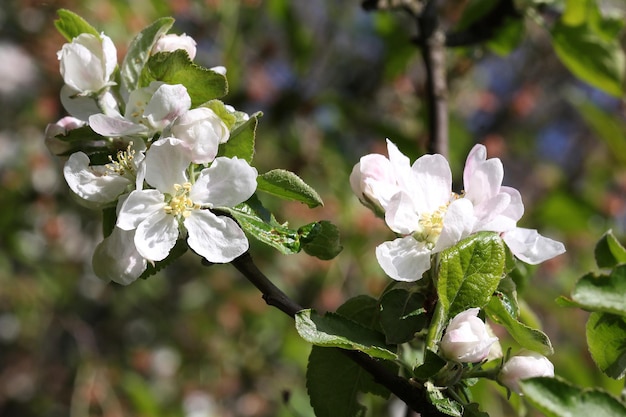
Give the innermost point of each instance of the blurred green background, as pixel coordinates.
(333, 82)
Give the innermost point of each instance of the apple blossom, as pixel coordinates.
(171, 42)
(148, 111)
(466, 338)
(176, 206)
(525, 365)
(116, 258)
(201, 131)
(419, 206)
(61, 128)
(498, 208)
(88, 63)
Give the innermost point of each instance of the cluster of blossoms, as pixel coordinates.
(163, 174)
(419, 205)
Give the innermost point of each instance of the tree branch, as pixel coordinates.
(414, 396)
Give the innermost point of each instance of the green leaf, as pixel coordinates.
(334, 382)
(177, 251)
(602, 293)
(508, 37)
(70, 25)
(442, 403)
(333, 330)
(362, 309)
(606, 338)
(470, 272)
(264, 227)
(287, 185)
(589, 57)
(320, 239)
(241, 141)
(557, 398)
(109, 219)
(228, 117)
(609, 252)
(139, 53)
(500, 312)
(433, 363)
(175, 67)
(402, 315)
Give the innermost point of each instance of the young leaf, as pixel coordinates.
(606, 338)
(175, 67)
(557, 398)
(442, 403)
(609, 252)
(334, 382)
(470, 272)
(333, 330)
(320, 239)
(70, 25)
(602, 293)
(241, 141)
(529, 338)
(287, 185)
(139, 53)
(402, 315)
(592, 59)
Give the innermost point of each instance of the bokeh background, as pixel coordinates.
(333, 82)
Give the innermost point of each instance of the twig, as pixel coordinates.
(413, 395)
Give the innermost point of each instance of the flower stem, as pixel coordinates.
(437, 325)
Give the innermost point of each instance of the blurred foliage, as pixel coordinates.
(332, 81)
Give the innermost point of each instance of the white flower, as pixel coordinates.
(158, 215)
(498, 208)
(116, 258)
(172, 42)
(201, 132)
(149, 110)
(100, 185)
(522, 366)
(88, 63)
(466, 338)
(419, 205)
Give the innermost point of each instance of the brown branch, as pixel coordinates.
(413, 395)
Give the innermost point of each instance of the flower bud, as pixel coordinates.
(201, 132)
(88, 63)
(61, 128)
(466, 338)
(172, 42)
(522, 366)
(373, 181)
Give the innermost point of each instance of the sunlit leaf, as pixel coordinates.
(320, 239)
(70, 25)
(609, 252)
(287, 185)
(602, 292)
(606, 338)
(241, 141)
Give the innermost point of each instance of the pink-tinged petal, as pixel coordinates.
(515, 210)
(433, 183)
(398, 159)
(95, 184)
(458, 223)
(487, 210)
(166, 164)
(116, 258)
(218, 239)
(477, 155)
(530, 247)
(226, 183)
(167, 103)
(201, 131)
(403, 259)
(156, 236)
(114, 126)
(138, 206)
(401, 215)
(485, 181)
(373, 180)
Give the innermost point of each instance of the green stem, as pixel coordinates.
(437, 325)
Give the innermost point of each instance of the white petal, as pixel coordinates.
(477, 155)
(109, 54)
(95, 184)
(138, 206)
(403, 259)
(530, 247)
(78, 106)
(116, 258)
(458, 223)
(515, 210)
(167, 103)
(114, 126)
(226, 183)
(201, 131)
(401, 215)
(219, 239)
(373, 180)
(485, 181)
(156, 236)
(166, 162)
(433, 183)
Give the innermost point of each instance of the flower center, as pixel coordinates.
(431, 226)
(123, 162)
(180, 204)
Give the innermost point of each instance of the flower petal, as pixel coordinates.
(433, 183)
(403, 259)
(114, 126)
(485, 181)
(167, 103)
(139, 205)
(95, 184)
(226, 183)
(401, 215)
(530, 247)
(156, 235)
(458, 223)
(166, 162)
(219, 239)
(116, 258)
